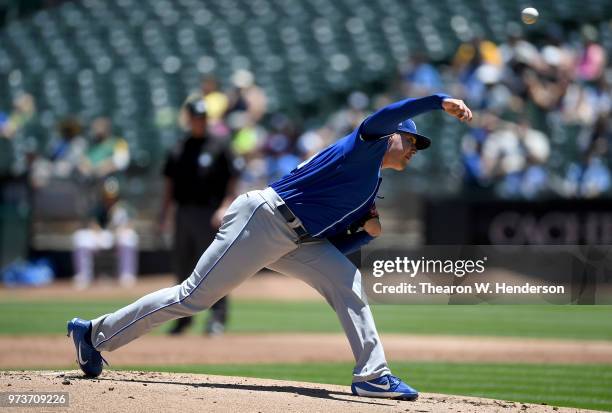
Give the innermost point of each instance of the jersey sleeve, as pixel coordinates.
(384, 122)
(349, 243)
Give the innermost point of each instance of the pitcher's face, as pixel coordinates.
(401, 148)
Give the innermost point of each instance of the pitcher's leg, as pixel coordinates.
(324, 268)
(250, 238)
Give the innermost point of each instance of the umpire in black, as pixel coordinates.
(200, 180)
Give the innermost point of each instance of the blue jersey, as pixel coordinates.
(338, 185)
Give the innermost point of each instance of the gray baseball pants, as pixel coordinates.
(255, 235)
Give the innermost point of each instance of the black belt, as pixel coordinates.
(303, 235)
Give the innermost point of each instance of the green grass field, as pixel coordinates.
(575, 322)
(586, 386)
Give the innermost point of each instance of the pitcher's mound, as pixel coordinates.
(122, 391)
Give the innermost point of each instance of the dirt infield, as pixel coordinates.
(57, 352)
(146, 392)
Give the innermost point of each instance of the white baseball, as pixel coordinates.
(529, 15)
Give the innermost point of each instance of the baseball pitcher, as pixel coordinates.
(296, 226)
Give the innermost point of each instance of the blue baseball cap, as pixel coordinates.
(408, 126)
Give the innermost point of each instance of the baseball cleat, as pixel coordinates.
(387, 387)
(90, 360)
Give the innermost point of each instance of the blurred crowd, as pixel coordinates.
(542, 129)
(71, 151)
(542, 126)
(544, 113)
